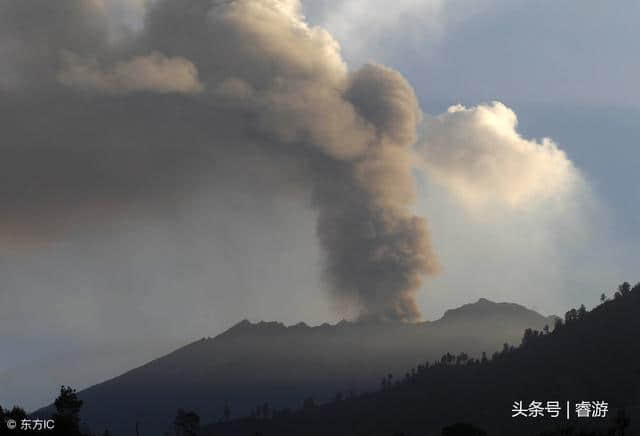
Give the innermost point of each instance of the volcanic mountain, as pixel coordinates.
(254, 363)
(591, 362)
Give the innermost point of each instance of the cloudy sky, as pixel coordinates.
(170, 170)
(566, 73)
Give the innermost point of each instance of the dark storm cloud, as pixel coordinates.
(216, 93)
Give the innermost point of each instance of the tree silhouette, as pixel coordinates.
(571, 316)
(582, 311)
(462, 429)
(308, 403)
(557, 325)
(226, 412)
(624, 289)
(526, 339)
(186, 423)
(67, 416)
(16, 413)
(462, 358)
(622, 420)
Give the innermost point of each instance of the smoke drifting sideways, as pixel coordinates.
(214, 93)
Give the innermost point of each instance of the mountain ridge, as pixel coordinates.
(251, 363)
(590, 357)
(465, 309)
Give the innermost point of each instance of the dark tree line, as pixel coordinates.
(66, 418)
(588, 355)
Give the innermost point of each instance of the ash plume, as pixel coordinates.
(227, 94)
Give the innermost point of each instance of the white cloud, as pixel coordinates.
(515, 219)
(478, 154)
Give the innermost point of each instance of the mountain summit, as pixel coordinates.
(253, 363)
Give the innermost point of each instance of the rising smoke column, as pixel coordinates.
(377, 251)
(205, 82)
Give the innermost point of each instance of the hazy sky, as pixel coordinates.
(526, 167)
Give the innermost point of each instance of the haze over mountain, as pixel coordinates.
(591, 357)
(250, 364)
(30, 385)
